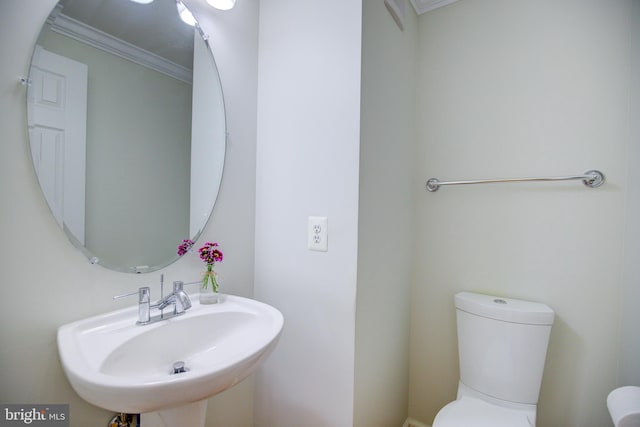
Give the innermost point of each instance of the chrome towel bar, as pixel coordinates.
(591, 179)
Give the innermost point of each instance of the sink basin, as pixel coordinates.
(115, 364)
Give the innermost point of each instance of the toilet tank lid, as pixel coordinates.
(506, 309)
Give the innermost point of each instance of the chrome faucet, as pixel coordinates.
(178, 298)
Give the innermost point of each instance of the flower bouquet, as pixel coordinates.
(210, 254)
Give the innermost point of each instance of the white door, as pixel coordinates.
(57, 117)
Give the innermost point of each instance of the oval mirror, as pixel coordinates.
(127, 128)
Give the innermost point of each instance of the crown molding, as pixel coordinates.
(62, 24)
(424, 6)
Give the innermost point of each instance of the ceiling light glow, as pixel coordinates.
(222, 4)
(185, 14)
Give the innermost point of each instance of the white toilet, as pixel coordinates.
(624, 406)
(502, 345)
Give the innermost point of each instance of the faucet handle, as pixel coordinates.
(144, 294)
(178, 286)
(197, 282)
(182, 301)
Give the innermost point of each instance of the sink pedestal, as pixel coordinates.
(189, 415)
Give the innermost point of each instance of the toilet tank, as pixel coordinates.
(502, 345)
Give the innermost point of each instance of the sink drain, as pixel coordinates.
(178, 368)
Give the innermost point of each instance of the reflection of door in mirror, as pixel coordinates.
(57, 120)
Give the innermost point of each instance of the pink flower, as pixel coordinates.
(210, 254)
(184, 247)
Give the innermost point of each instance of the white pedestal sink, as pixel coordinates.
(115, 364)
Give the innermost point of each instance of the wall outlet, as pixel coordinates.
(317, 233)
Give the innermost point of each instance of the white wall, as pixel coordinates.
(510, 89)
(55, 282)
(385, 219)
(307, 165)
(630, 295)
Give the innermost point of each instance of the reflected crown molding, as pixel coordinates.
(63, 24)
(424, 6)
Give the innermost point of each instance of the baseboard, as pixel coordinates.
(413, 423)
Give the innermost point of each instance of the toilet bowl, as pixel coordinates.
(472, 410)
(502, 346)
(468, 411)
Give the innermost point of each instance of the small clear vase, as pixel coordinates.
(209, 289)
(207, 296)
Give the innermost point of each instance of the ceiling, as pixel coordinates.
(154, 27)
(423, 6)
